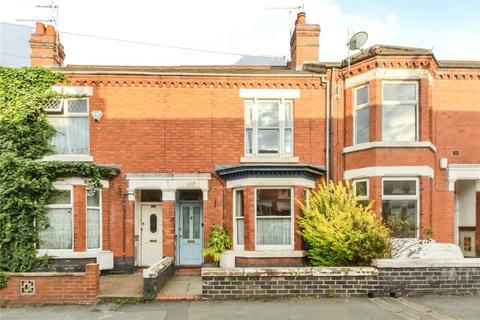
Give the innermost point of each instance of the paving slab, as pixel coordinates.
(122, 285)
(181, 288)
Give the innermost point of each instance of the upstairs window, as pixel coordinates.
(268, 127)
(399, 111)
(70, 119)
(361, 121)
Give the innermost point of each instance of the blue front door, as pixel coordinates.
(190, 234)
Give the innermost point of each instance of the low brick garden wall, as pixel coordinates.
(386, 277)
(39, 288)
(155, 277)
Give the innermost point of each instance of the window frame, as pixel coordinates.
(65, 114)
(291, 246)
(397, 103)
(61, 206)
(255, 128)
(100, 212)
(354, 189)
(405, 197)
(237, 246)
(358, 107)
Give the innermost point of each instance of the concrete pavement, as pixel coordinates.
(430, 307)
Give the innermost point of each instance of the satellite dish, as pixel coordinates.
(357, 40)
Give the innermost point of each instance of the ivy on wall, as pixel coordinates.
(26, 182)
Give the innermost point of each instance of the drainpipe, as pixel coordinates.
(330, 106)
(327, 128)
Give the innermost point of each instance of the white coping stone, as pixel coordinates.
(425, 263)
(439, 251)
(154, 270)
(269, 254)
(291, 271)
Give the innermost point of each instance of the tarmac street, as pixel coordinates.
(407, 308)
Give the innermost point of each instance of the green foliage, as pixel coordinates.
(339, 231)
(3, 279)
(218, 242)
(26, 184)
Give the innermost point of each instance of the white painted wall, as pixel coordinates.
(467, 202)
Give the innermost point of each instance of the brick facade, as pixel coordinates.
(165, 122)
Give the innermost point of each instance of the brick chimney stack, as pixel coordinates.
(304, 42)
(47, 51)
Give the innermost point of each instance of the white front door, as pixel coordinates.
(151, 229)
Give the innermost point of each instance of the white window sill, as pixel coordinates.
(268, 159)
(384, 144)
(104, 257)
(289, 253)
(65, 157)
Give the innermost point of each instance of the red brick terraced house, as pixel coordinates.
(236, 145)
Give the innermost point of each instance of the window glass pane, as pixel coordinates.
(268, 115)
(362, 96)
(153, 223)
(151, 195)
(196, 223)
(399, 91)
(240, 231)
(361, 188)
(362, 125)
(59, 233)
(239, 203)
(61, 197)
(93, 229)
(77, 106)
(273, 202)
(191, 195)
(288, 114)
(401, 217)
(93, 198)
(248, 114)
(248, 141)
(186, 223)
(273, 231)
(288, 141)
(72, 136)
(398, 123)
(268, 141)
(399, 187)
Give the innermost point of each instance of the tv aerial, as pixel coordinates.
(356, 42)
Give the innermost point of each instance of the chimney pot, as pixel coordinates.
(51, 30)
(300, 18)
(39, 28)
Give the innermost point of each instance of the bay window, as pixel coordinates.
(399, 111)
(361, 121)
(70, 119)
(274, 222)
(94, 219)
(360, 190)
(268, 127)
(400, 198)
(239, 219)
(59, 213)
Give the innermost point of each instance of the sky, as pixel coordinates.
(248, 27)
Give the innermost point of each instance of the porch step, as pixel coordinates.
(188, 271)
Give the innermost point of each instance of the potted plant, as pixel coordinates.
(218, 242)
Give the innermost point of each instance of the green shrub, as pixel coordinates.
(218, 242)
(3, 279)
(339, 231)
